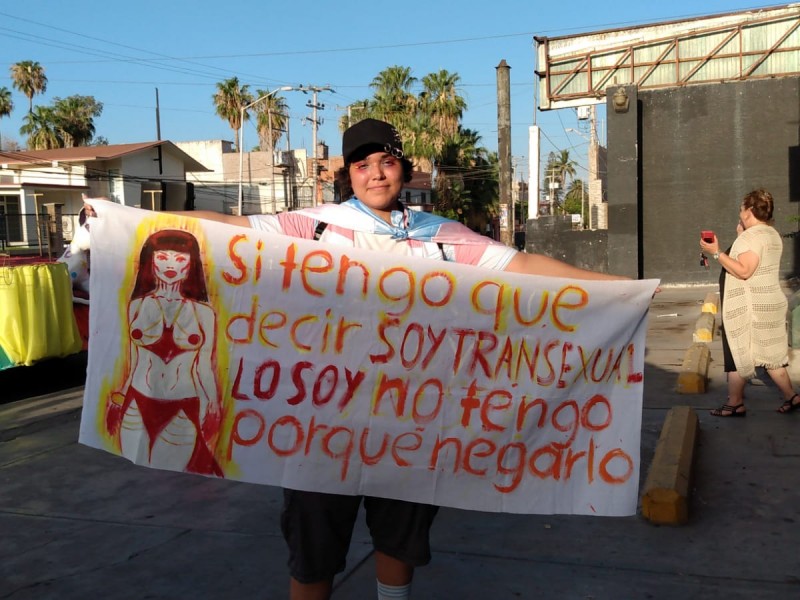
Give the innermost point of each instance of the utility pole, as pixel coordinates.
(504, 152)
(271, 162)
(158, 119)
(349, 109)
(520, 198)
(592, 156)
(290, 188)
(160, 158)
(362, 105)
(552, 184)
(315, 123)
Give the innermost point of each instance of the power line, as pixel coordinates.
(350, 49)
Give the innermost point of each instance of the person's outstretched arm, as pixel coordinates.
(538, 264)
(210, 215)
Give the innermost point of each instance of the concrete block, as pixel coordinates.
(704, 328)
(711, 303)
(693, 377)
(665, 498)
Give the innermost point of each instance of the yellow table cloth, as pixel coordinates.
(36, 316)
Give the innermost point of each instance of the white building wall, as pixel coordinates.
(218, 189)
(171, 167)
(209, 153)
(145, 165)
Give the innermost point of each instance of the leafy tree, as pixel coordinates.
(575, 197)
(29, 78)
(229, 100)
(69, 122)
(74, 118)
(393, 100)
(41, 128)
(483, 184)
(272, 115)
(6, 106)
(564, 166)
(466, 183)
(6, 103)
(443, 107)
(11, 145)
(559, 166)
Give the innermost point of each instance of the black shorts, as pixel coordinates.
(318, 527)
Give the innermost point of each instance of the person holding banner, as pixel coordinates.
(318, 526)
(171, 395)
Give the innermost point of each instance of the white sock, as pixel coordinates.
(394, 592)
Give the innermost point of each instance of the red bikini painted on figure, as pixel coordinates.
(171, 396)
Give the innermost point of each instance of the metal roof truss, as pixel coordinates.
(753, 49)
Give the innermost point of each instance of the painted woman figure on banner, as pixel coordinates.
(169, 409)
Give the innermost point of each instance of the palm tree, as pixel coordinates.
(6, 106)
(393, 100)
(75, 119)
(41, 128)
(565, 167)
(418, 141)
(29, 78)
(272, 115)
(440, 100)
(576, 200)
(430, 125)
(229, 100)
(441, 107)
(467, 185)
(559, 167)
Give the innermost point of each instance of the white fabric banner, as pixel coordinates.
(222, 351)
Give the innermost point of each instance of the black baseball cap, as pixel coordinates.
(371, 135)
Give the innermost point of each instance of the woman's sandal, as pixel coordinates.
(789, 405)
(729, 410)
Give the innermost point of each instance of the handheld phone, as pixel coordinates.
(708, 236)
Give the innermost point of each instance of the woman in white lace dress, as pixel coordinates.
(754, 305)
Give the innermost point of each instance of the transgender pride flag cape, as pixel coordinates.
(406, 224)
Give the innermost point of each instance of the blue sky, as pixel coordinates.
(121, 52)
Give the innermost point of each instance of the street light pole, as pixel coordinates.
(285, 88)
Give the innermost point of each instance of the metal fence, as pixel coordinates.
(31, 233)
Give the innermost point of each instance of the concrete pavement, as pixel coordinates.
(79, 523)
